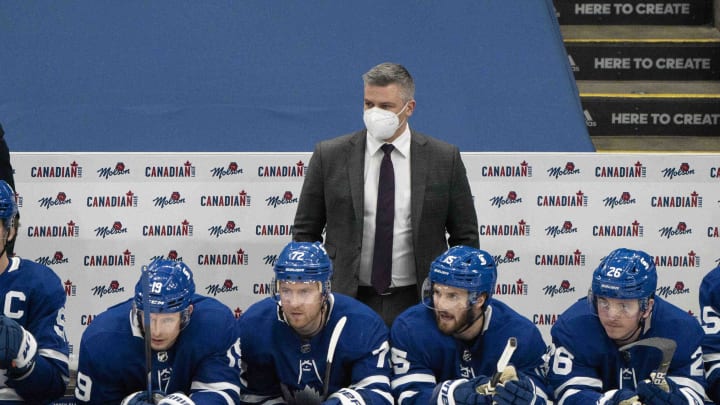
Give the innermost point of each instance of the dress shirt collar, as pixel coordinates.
(401, 144)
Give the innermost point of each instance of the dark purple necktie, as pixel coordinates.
(384, 218)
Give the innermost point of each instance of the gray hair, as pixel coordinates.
(388, 73)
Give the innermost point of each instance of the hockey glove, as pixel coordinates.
(461, 392)
(619, 397)
(177, 398)
(141, 398)
(516, 392)
(508, 374)
(18, 348)
(652, 394)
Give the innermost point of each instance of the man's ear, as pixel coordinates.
(648, 311)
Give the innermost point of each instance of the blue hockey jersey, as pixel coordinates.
(203, 363)
(587, 363)
(277, 364)
(423, 356)
(710, 316)
(33, 296)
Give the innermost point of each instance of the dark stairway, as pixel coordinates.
(648, 72)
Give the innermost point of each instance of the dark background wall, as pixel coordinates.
(243, 76)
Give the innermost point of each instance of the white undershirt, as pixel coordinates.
(403, 270)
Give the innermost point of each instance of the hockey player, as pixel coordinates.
(306, 345)
(710, 317)
(192, 345)
(33, 347)
(587, 365)
(445, 350)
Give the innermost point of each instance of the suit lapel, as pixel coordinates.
(419, 162)
(356, 172)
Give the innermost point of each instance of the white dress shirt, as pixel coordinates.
(403, 259)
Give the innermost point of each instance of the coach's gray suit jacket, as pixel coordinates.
(332, 199)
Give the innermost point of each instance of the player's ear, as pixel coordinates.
(190, 309)
(648, 311)
(481, 299)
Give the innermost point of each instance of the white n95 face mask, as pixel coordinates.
(382, 124)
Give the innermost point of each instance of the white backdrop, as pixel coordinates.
(548, 218)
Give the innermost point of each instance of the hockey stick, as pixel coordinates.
(331, 353)
(666, 347)
(503, 361)
(148, 337)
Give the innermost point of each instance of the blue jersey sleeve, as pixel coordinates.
(215, 380)
(39, 292)
(413, 377)
(710, 317)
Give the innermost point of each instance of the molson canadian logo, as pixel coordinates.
(184, 229)
(578, 199)
(184, 170)
(510, 257)
(240, 199)
(71, 171)
(556, 230)
(511, 199)
(172, 255)
(226, 287)
(117, 228)
(522, 170)
(713, 232)
(128, 199)
(520, 229)
(680, 229)
(677, 261)
(237, 258)
(574, 259)
(298, 170)
(274, 230)
(678, 289)
(287, 198)
(232, 169)
(164, 201)
(683, 170)
(633, 230)
(118, 170)
(694, 200)
(60, 199)
(57, 258)
(558, 171)
(517, 288)
(624, 199)
(554, 289)
(230, 227)
(70, 288)
(545, 319)
(69, 230)
(715, 172)
(636, 170)
(261, 289)
(112, 288)
(124, 259)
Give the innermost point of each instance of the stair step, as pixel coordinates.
(653, 12)
(689, 108)
(643, 53)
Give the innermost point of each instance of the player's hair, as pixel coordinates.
(388, 73)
